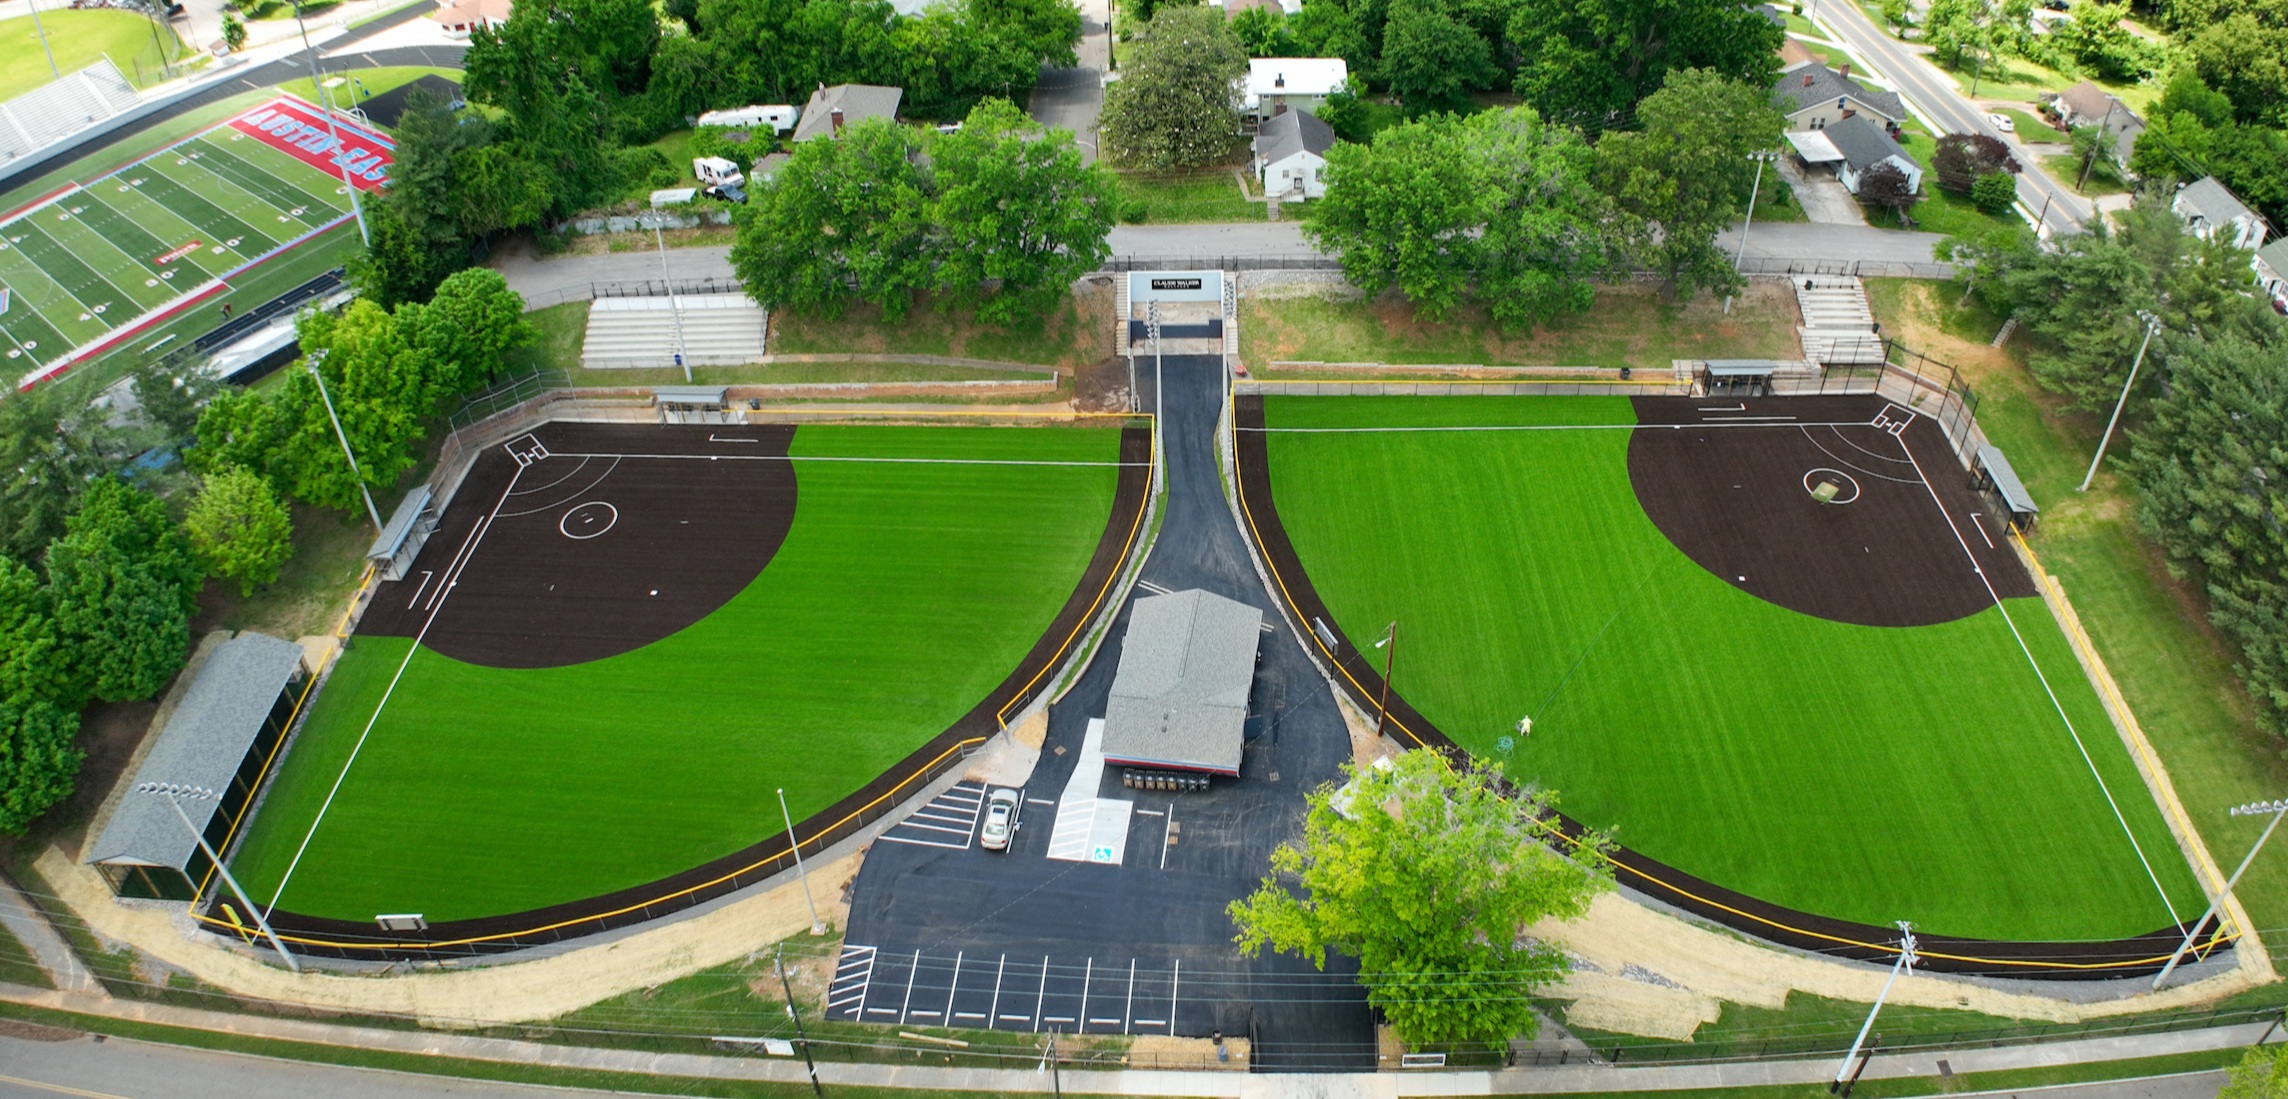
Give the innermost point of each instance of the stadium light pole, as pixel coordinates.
(816, 928)
(172, 792)
(53, 71)
(1906, 961)
(674, 309)
(1382, 709)
(357, 209)
(1761, 157)
(372, 512)
(2278, 807)
(2152, 325)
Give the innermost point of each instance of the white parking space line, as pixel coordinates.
(998, 970)
(954, 987)
(853, 974)
(936, 823)
(911, 970)
(1128, 1011)
(1041, 1000)
(1086, 976)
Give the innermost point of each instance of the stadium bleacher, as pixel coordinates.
(63, 107)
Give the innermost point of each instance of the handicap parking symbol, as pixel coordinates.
(1101, 854)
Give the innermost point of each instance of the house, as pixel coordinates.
(2207, 209)
(1864, 143)
(1232, 8)
(462, 17)
(767, 167)
(2086, 104)
(1276, 84)
(2271, 265)
(1291, 155)
(779, 117)
(832, 108)
(1815, 97)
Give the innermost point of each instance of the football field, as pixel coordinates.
(85, 268)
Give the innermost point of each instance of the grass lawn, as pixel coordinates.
(1207, 196)
(371, 82)
(1941, 210)
(2152, 630)
(1628, 326)
(1921, 774)
(903, 594)
(2016, 78)
(1073, 334)
(17, 966)
(79, 39)
(2031, 127)
(1778, 203)
(313, 589)
(2104, 179)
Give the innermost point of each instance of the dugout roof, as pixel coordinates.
(1179, 700)
(704, 396)
(401, 523)
(2006, 482)
(1741, 368)
(205, 741)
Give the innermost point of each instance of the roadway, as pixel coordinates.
(1935, 97)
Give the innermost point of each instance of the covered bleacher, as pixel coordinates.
(1993, 476)
(401, 539)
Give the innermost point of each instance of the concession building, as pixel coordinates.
(1179, 699)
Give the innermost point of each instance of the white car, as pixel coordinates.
(1000, 820)
(2002, 123)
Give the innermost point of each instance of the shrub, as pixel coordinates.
(1995, 193)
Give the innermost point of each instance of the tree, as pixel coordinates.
(1263, 32)
(1543, 237)
(1326, 28)
(1018, 215)
(239, 529)
(1589, 65)
(844, 219)
(233, 31)
(1176, 104)
(1900, 14)
(1431, 877)
(1962, 158)
(38, 760)
(1431, 60)
(2246, 61)
(468, 328)
(1885, 186)
(2193, 132)
(53, 441)
(1995, 193)
(35, 661)
(170, 401)
(2213, 466)
(123, 584)
(1683, 176)
(1405, 212)
(2097, 39)
(2261, 1074)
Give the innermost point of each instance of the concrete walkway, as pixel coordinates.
(30, 927)
(1025, 1079)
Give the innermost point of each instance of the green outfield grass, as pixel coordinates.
(1870, 774)
(902, 595)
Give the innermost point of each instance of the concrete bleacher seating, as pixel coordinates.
(63, 107)
(1838, 328)
(718, 330)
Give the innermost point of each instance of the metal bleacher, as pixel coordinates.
(63, 107)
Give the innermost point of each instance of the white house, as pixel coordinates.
(1276, 84)
(1291, 155)
(779, 117)
(1864, 143)
(461, 17)
(1815, 97)
(2207, 210)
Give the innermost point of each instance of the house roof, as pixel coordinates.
(1827, 84)
(1312, 76)
(1771, 14)
(1813, 146)
(2275, 256)
(858, 102)
(1863, 143)
(1284, 135)
(2086, 100)
(1180, 696)
(205, 741)
(2208, 200)
(458, 13)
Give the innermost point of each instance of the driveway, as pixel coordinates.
(1070, 99)
(1823, 197)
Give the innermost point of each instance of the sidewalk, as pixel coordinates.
(31, 928)
(1026, 1079)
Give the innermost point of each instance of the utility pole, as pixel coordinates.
(356, 208)
(1906, 961)
(1382, 709)
(43, 32)
(1741, 256)
(1056, 1076)
(800, 1038)
(2152, 325)
(311, 361)
(816, 928)
(2091, 161)
(2278, 807)
(169, 791)
(675, 310)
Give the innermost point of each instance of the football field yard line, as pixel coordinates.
(452, 578)
(172, 193)
(107, 259)
(260, 186)
(86, 284)
(42, 298)
(138, 242)
(232, 196)
(62, 307)
(2047, 689)
(270, 164)
(158, 218)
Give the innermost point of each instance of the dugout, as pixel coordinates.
(1179, 699)
(1737, 377)
(690, 404)
(1992, 476)
(401, 539)
(220, 738)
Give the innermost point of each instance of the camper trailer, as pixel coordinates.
(715, 171)
(779, 117)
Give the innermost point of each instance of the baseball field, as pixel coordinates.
(1857, 707)
(622, 641)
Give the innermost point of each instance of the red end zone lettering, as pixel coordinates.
(178, 253)
(300, 130)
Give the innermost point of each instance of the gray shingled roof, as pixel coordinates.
(1827, 84)
(1180, 696)
(2275, 256)
(2087, 101)
(1282, 136)
(859, 102)
(2207, 199)
(203, 744)
(1863, 143)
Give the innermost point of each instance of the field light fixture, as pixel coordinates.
(1845, 1076)
(2278, 808)
(174, 793)
(1382, 709)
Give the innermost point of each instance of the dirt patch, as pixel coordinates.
(1102, 386)
(1915, 315)
(34, 1032)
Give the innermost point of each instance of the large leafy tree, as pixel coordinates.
(467, 329)
(1176, 104)
(1431, 60)
(844, 219)
(239, 528)
(1019, 217)
(53, 440)
(122, 584)
(1589, 64)
(1685, 173)
(1962, 159)
(40, 695)
(2245, 58)
(2213, 465)
(38, 759)
(1430, 875)
(2194, 132)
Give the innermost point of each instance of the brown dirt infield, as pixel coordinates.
(1734, 494)
(590, 554)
